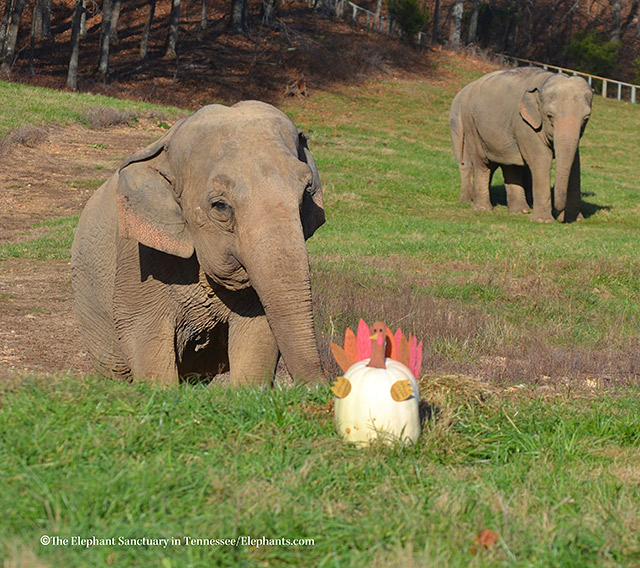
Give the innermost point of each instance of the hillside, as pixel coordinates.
(300, 45)
(216, 64)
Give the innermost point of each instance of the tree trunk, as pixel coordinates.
(83, 20)
(616, 24)
(72, 73)
(473, 22)
(12, 36)
(203, 16)
(378, 12)
(456, 24)
(115, 16)
(510, 39)
(238, 16)
(6, 16)
(105, 36)
(41, 26)
(144, 42)
(174, 24)
(436, 17)
(268, 9)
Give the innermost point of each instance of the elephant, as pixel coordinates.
(521, 119)
(191, 259)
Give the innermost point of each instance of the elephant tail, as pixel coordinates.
(457, 132)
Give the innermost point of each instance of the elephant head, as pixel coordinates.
(559, 110)
(237, 187)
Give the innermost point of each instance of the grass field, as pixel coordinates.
(546, 453)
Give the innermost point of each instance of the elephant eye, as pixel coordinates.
(220, 206)
(550, 117)
(221, 210)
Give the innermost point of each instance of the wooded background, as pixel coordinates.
(39, 37)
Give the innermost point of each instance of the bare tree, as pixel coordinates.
(436, 22)
(72, 72)
(83, 20)
(12, 36)
(378, 12)
(105, 36)
(144, 42)
(238, 16)
(473, 22)
(41, 25)
(616, 21)
(115, 16)
(456, 24)
(268, 10)
(203, 16)
(6, 16)
(174, 24)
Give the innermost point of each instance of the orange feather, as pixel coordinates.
(341, 357)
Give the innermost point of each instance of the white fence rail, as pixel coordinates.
(623, 91)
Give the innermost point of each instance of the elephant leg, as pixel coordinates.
(482, 179)
(466, 177)
(253, 351)
(152, 354)
(540, 172)
(574, 195)
(514, 185)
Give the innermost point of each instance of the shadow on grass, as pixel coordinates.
(588, 209)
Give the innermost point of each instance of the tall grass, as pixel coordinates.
(551, 465)
(555, 478)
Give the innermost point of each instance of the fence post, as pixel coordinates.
(619, 91)
(604, 88)
(633, 95)
(355, 11)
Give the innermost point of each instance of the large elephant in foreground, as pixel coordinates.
(192, 257)
(522, 119)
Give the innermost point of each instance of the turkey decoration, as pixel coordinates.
(377, 398)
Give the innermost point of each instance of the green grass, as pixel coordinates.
(54, 243)
(391, 191)
(23, 104)
(557, 479)
(555, 475)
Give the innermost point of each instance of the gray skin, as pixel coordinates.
(192, 257)
(522, 119)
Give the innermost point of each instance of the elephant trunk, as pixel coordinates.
(566, 140)
(276, 260)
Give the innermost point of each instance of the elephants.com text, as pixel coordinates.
(88, 542)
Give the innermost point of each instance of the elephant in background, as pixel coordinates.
(192, 257)
(521, 119)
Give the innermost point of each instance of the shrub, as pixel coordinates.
(410, 17)
(104, 117)
(591, 53)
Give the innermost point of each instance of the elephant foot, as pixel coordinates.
(569, 219)
(542, 219)
(482, 206)
(519, 208)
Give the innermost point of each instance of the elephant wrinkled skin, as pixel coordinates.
(521, 119)
(192, 257)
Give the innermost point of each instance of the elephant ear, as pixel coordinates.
(312, 205)
(148, 210)
(530, 109)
